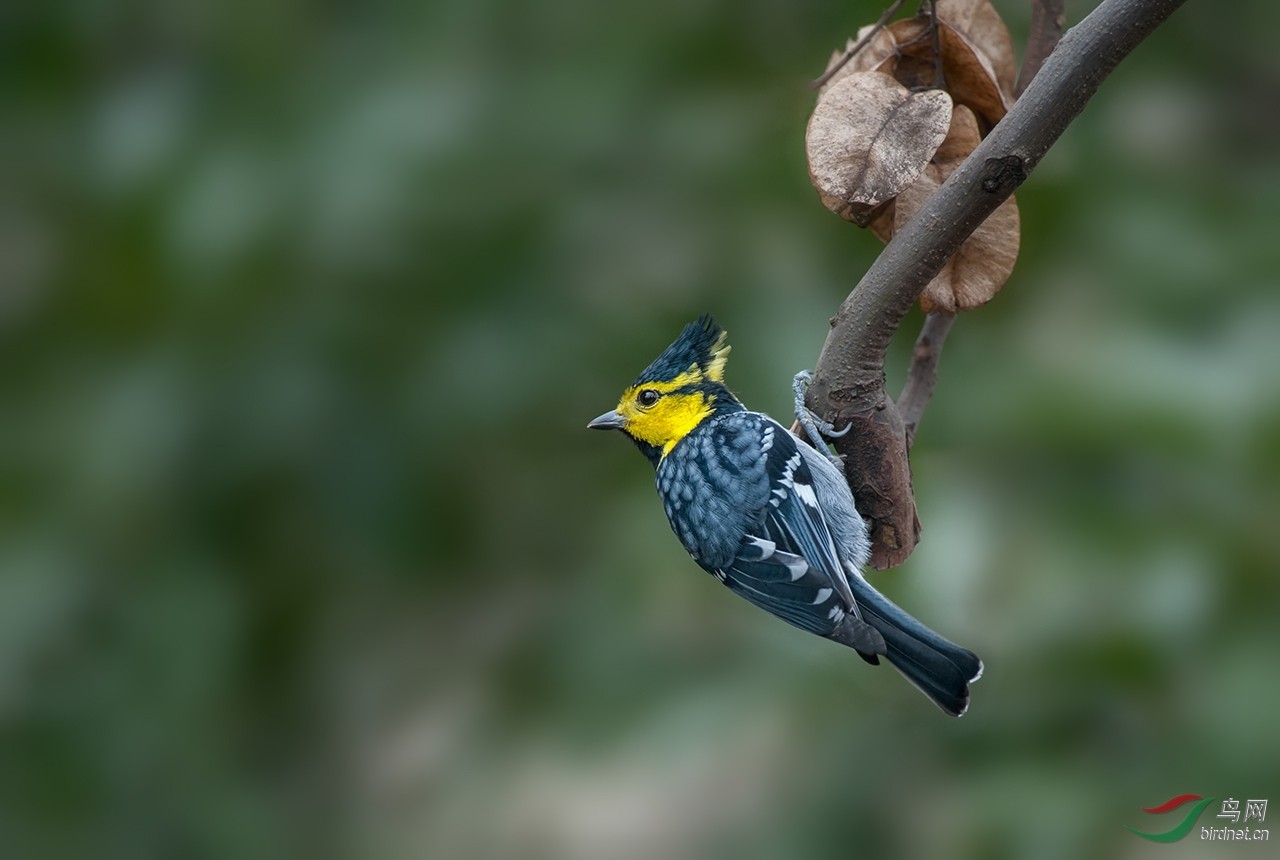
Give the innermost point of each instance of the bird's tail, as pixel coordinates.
(940, 669)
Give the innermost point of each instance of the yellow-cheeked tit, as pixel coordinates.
(770, 516)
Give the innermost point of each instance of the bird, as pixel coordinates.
(771, 517)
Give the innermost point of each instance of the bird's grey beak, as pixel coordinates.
(609, 421)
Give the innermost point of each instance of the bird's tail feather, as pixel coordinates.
(940, 669)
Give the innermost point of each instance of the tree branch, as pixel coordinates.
(848, 384)
(1047, 21)
(923, 373)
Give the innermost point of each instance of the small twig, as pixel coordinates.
(861, 43)
(1047, 21)
(923, 373)
(938, 81)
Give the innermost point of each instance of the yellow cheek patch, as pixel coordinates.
(667, 421)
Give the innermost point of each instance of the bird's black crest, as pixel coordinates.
(701, 343)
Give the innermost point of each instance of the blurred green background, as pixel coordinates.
(305, 550)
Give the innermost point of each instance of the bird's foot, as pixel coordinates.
(819, 431)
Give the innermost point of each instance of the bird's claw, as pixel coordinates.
(817, 429)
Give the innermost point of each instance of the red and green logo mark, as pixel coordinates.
(1168, 806)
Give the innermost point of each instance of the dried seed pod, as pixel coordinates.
(970, 76)
(869, 138)
(881, 222)
(977, 271)
(983, 30)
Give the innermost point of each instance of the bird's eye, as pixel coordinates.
(648, 397)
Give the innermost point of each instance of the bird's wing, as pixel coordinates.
(784, 584)
(788, 564)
